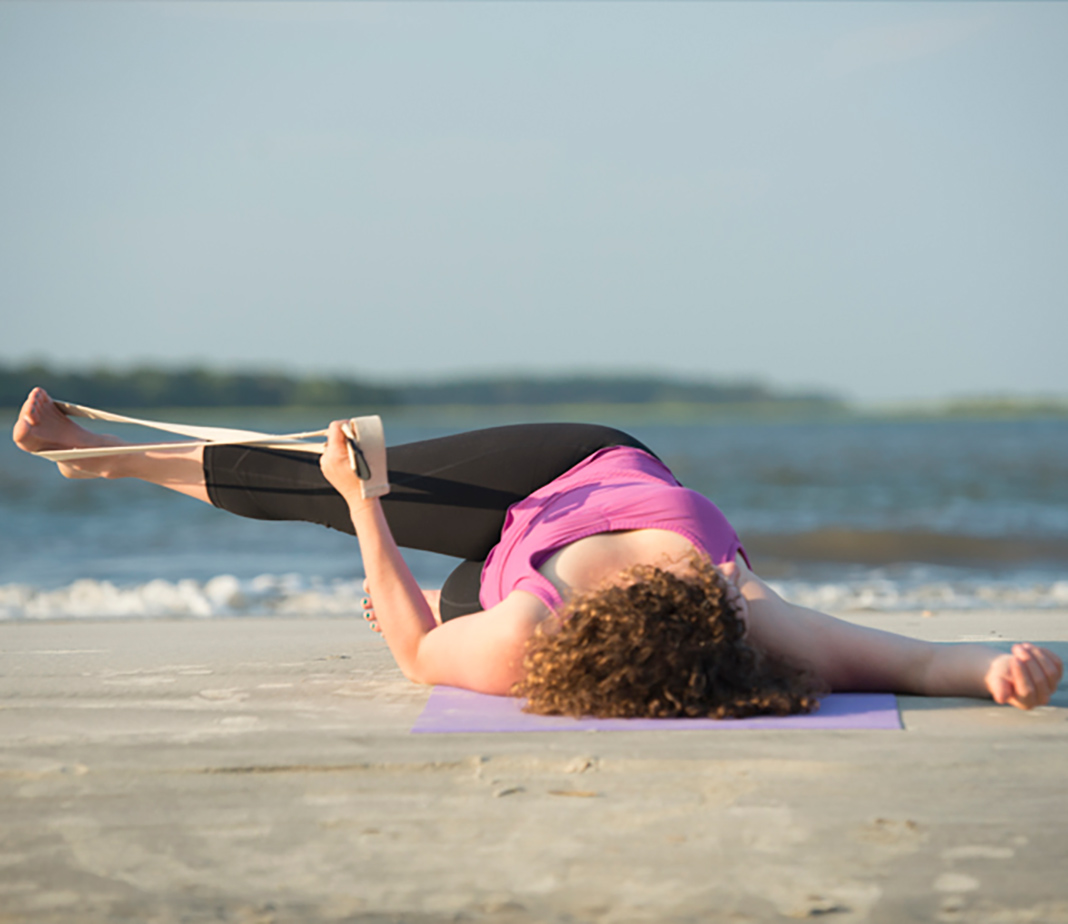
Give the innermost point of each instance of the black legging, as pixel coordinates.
(448, 495)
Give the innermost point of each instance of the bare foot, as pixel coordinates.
(433, 599)
(41, 426)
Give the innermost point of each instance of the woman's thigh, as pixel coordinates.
(448, 495)
(451, 494)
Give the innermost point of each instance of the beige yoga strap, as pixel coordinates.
(366, 438)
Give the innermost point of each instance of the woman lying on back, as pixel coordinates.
(593, 583)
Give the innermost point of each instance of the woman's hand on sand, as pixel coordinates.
(336, 466)
(1026, 678)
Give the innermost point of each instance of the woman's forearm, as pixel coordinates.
(849, 657)
(957, 670)
(1026, 677)
(404, 615)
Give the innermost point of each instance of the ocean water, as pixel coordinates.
(841, 515)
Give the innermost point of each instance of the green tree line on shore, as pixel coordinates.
(148, 387)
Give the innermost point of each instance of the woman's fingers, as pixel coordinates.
(1026, 678)
(1000, 687)
(334, 463)
(1051, 664)
(335, 440)
(1023, 686)
(1045, 669)
(1035, 673)
(1053, 667)
(1032, 670)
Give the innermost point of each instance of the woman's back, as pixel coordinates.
(619, 492)
(593, 561)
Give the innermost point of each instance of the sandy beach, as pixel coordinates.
(262, 770)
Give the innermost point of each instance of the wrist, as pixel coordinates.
(361, 508)
(961, 670)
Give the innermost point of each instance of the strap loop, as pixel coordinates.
(367, 442)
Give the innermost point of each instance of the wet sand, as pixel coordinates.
(262, 770)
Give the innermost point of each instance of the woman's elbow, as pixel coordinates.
(415, 672)
(421, 679)
(409, 664)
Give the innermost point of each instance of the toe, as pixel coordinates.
(29, 410)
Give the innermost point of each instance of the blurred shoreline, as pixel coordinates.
(639, 398)
(667, 413)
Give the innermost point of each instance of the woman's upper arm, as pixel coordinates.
(844, 655)
(482, 651)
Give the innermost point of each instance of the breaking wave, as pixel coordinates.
(874, 593)
(222, 596)
(292, 595)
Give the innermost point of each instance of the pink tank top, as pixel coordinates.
(618, 488)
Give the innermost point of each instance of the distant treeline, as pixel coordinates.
(152, 387)
(588, 390)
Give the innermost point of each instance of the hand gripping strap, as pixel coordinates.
(367, 454)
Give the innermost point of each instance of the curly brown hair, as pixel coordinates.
(658, 645)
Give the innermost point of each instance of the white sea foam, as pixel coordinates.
(221, 596)
(920, 593)
(294, 595)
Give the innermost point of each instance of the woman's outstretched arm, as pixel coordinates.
(851, 657)
(482, 652)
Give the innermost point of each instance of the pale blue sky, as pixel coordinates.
(865, 197)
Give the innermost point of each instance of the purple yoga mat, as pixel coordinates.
(452, 710)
